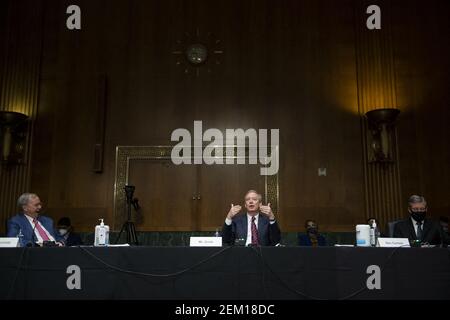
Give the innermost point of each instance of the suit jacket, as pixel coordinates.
(73, 239)
(20, 222)
(432, 231)
(304, 240)
(268, 234)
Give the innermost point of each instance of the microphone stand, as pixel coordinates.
(44, 243)
(32, 243)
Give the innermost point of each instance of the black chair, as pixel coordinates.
(391, 226)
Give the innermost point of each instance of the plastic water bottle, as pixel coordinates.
(20, 236)
(101, 234)
(217, 233)
(373, 234)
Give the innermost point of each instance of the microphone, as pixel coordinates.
(45, 243)
(33, 243)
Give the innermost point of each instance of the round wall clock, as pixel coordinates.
(196, 53)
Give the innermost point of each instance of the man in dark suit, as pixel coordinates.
(33, 228)
(417, 226)
(257, 226)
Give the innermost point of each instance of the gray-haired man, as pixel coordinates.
(257, 226)
(32, 227)
(417, 226)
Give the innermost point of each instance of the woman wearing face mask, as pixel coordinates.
(65, 229)
(312, 238)
(418, 227)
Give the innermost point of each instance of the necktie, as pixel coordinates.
(255, 240)
(419, 231)
(41, 230)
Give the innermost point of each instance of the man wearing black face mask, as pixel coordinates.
(418, 226)
(312, 238)
(65, 230)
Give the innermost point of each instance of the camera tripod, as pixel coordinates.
(128, 225)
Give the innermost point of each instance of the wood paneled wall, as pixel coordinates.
(19, 90)
(309, 68)
(375, 72)
(423, 88)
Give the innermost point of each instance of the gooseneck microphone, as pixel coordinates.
(32, 242)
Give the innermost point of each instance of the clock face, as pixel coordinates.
(196, 54)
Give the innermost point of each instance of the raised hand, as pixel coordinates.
(267, 211)
(234, 210)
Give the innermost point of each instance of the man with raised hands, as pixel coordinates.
(256, 226)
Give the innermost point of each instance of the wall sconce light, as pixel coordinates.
(382, 130)
(14, 133)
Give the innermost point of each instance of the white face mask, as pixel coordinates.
(62, 231)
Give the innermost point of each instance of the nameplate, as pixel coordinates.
(9, 242)
(205, 241)
(393, 242)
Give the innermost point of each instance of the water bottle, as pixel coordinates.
(20, 236)
(217, 233)
(373, 234)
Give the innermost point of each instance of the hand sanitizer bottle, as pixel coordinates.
(101, 234)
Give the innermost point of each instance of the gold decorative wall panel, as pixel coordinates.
(126, 154)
